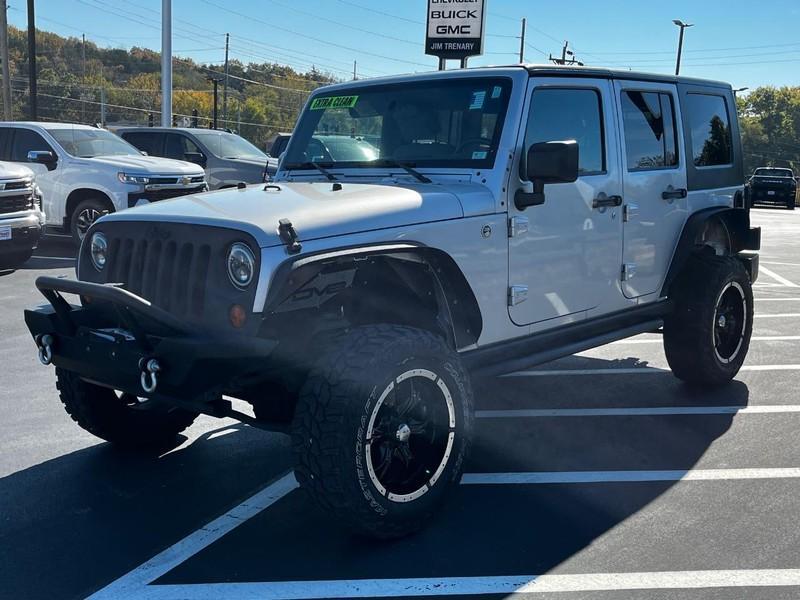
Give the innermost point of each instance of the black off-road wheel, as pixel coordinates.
(382, 429)
(707, 336)
(84, 216)
(115, 417)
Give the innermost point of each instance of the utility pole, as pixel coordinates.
(166, 63)
(565, 52)
(225, 84)
(522, 41)
(103, 101)
(355, 70)
(83, 76)
(32, 60)
(7, 108)
(215, 83)
(683, 26)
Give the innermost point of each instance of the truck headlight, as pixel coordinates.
(133, 179)
(241, 265)
(99, 250)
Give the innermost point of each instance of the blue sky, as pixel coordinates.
(748, 44)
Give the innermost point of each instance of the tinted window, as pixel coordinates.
(5, 143)
(146, 141)
(26, 140)
(648, 120)
(558, 115)
(711, 131)
(177, 146)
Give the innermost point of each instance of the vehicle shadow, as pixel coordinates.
(88, 517)
(54, 252)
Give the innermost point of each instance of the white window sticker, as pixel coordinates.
(479, 155)
(478, 98)
(496, 92)
(5, 233)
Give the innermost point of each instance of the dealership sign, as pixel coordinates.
(455, 28)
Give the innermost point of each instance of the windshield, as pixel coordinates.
(774, 172)
(228, 145)
(442, 123)
(87, 143)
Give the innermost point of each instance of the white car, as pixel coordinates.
(21, 216)
(85, 172)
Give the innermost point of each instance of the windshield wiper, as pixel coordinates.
(388, 162)
(312, 165)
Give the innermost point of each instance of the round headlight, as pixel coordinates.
(241, 265)
(99, 250)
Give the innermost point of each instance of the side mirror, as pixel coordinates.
(197, 158)
(143, 153)
(43, 157)
(546, 163)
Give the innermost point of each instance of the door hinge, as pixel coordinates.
(517, 294)
(628, 271)
(517, 226)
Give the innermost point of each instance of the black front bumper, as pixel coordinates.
(111, 338)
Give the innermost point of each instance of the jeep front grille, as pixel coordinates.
(171, 275)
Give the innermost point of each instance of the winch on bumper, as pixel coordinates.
(118, 340)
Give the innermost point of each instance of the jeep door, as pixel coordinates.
(654, 182)
(564, 254)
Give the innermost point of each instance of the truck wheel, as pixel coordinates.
(111, 416)
(382, 429)
(707, 336)
(84, 216)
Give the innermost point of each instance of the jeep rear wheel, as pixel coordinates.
(382, 429)
(116, 418)
(707, 337)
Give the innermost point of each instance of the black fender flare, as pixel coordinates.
(737, 221)
(457, 299)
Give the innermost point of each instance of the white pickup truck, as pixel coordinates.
(85, 172)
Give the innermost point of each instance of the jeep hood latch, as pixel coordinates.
(289, 236)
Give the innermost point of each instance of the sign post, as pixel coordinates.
(455, 30)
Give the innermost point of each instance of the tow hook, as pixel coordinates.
(150, 368)
(45, 344)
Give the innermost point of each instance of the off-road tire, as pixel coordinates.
(335, 415)
(694, 341)
(90, 206)
(101, 412)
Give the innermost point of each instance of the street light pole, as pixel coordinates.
(32, 60)
(166, 63)
(683, 26)
(742, 89)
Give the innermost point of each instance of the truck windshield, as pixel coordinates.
(87, 143)
(228, 145)
(441, 123)
(774, 172)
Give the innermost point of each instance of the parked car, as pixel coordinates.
(772, 185)
(228, 159)
(21, 216)
(513, 216)
(85, 172)
(279, 145)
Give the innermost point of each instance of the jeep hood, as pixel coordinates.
(315, 209)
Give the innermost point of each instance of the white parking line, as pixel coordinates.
(778, 316)
(134, 584)
(54, 258)
(782, 280)
(541, 478)
(777, 300)
(504, 584)
(636, 411)
(755, 338)
(635, 371)
(771, 262)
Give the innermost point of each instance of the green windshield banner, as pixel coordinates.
(334, 102)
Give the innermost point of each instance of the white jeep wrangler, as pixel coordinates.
(506, 217)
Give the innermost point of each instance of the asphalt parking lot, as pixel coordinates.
(596, 477)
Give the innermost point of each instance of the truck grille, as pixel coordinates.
(170, 274)
(11, 204)
(158, 195)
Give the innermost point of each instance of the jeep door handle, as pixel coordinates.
(672, 194)
(603, 201)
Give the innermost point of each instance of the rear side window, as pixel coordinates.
(148, 142)
(710, 130)
(5, 143)
(648, 119)
(26, 140)
(178, 146)
(569, 114)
